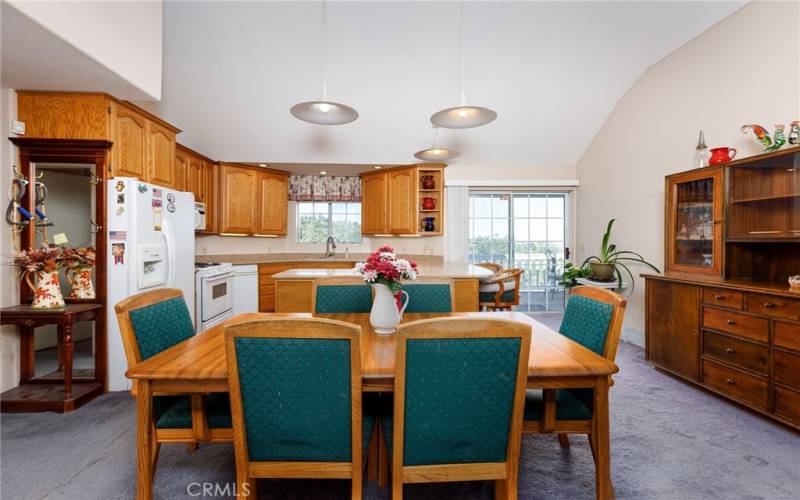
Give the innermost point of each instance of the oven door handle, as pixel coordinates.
(212, 279)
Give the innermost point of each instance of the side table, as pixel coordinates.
(57, 391)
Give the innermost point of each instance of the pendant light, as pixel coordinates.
(463, 115)
(436, 152)
(323, 111)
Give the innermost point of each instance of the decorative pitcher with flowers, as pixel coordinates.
(80, 281)
(47, 291)
(384, 271)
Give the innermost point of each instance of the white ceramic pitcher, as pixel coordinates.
(384, 316)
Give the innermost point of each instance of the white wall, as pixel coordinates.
(9, 284)
(124, 36)
(743, 70)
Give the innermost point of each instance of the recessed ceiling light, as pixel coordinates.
(322, 172)
(377, 167)
(262, 164)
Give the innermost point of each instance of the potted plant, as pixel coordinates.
(384, 271)
(43, 263)
(607, 265)
(79, 262)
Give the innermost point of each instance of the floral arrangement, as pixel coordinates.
(383, 267)
(33, 260)
(77, 258)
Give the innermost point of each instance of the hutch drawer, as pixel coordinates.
(723, 298)
(786, 368)
(777, 307)
(787, 335)
(736, 352)
(743, 325)
(787, 403)
(734, 383)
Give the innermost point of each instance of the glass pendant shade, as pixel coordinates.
(463, 116)
(324, 112)
(437, 152)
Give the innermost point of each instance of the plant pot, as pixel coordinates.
(385, 314)
(47, 291)
(602, 271)
(81, 282)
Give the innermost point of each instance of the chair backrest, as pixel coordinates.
(430, 294)
(593, 318)
(341, 294)
(504, 296)
(295, 390)
(151, 322)
(459, 391)
(495, 268)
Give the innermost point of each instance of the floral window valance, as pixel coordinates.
(324, 188)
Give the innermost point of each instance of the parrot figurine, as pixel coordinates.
(778, 139)
(794, 132)
(762, 136)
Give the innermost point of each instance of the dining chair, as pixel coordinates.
(341, 294)
(295, 386)
(593, 318)
(459, 393)
(501, 292)
(151, 322)
(430, 294)
(495, 268)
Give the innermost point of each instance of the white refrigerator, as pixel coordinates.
(150, 239)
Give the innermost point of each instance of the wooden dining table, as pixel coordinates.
(197, 366)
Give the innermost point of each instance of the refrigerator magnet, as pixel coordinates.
(142, 188)
(157, 218)
(120, 186)
(118, 251)
(171, 208)
(120, 209)
(117, 235)
(170, 197)
(121, 199)
(156, 193)
(156, 203)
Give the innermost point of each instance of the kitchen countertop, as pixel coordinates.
(269, 258)
(449, 269)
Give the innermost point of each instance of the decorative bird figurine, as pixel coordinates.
(778, 139)
(794, 132)
(762, 136)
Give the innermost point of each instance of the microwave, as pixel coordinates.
(199, 216)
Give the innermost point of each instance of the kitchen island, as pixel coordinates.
(293, 287)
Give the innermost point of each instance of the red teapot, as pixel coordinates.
(428, 182)
(721, 155)
(428, 203)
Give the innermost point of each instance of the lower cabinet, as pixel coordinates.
(741, 344)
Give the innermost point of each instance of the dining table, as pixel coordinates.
(197, 366)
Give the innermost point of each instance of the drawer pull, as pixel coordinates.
(769, 305)
(719, 297)
(730, 350)
(731, 322)
(729, 381)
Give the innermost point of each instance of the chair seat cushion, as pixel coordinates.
(508, 296)
(494, 287)
(571, 404)
(175, 412)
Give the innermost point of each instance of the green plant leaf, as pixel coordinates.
(606, 237)
(633, 281)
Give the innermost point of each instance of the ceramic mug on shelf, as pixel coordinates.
(721, 155)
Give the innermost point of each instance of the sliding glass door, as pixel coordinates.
(527, 230)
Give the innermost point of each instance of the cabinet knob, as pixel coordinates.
(731, 322)
(729, 381)
(719, 297)
(730, 350)
(769, 305)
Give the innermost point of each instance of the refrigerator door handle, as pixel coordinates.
(169, 239)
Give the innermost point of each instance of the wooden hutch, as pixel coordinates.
(723, 315)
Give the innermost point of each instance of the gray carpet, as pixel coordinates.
(669, 440)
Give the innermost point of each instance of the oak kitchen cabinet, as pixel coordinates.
(252, 200)
(391, 201)
(199, 176)
(143, 144)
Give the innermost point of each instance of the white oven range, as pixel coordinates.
(213, 294)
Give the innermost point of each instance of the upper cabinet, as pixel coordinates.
(252, 200)
(403, 201)
(181, 169)
(198, 174)
(195, 180)
(694, 221)
(143, 144)
(211, 195)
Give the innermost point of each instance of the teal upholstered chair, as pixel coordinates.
(593, 318)
(341, 294)
(150, 323)
(459, 395)
(501, 291)
(295, 386)
(430, 294)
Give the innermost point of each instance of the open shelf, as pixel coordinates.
(767, 198)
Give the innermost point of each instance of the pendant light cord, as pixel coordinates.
(324, 51)
(461, 34)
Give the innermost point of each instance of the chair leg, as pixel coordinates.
(372, 455)
(563, 440)
(154, 458)
(357, 485)
(383, 461)
(591, 447)
(397, 487)
(190, 447)
(246, 487)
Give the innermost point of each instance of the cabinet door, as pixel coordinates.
(402, 198)
(673, 326)
(161, 155)
(374, 211)
(237, 200)
(694, 221)
(181, 169)
(130, 144)
(195, 180)
(210, 186)
(272, 203)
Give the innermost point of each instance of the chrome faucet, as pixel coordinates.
(330, 243)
